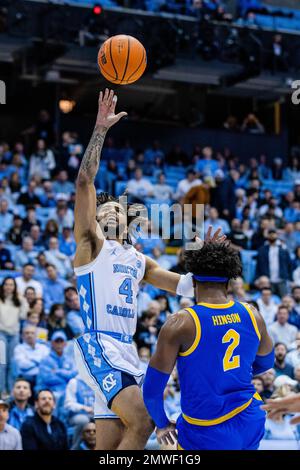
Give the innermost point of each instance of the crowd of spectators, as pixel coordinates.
(44, 403)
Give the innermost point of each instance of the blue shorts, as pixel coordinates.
(99, 375)
(242, 432)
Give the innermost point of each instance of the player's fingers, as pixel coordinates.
(170, 438)
(113, 104)
(120, 115)
(222, 239)
(216, 234)
(295, 420)
(208, 234)
(100, 97)
(110, 97)
(106, 94)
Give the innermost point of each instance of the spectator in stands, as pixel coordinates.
(57, 322)
(35, 234)
(44, 431)
(214, 220)
(20, 409)
(294, 317)
(26, 280)
(274, 261)
(237, 236)
(281, 331)
(28, 355)
(296, 297)
(186, 184)
(41, 265)
(281, 367)
(88, 437)
(33, 318)
(258, 384)
(56, 369)
(28, 196)
(252, 125)
(54, 287)
(139, 187)
(30, 295)
(51, 230)
(79, 405)
(277, 169)
(12, 309)
(30, 219)
(15, 233)
(10, 438)
(42, 161)
(268, 380)
(279, 58)
(62, 184)
(5, 256)
(161, 190)
(62, 214)
(267, 306)
(146, 334)
(58, 259)
(67, 244)
(207, 166)
(293, 357)
(72, 309)
(27, 254)
(231, 124)
(6, 218)
(238, 290)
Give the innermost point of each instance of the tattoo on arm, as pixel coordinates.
(91, 159)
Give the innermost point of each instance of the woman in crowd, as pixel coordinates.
(12, 309)
(57, 321)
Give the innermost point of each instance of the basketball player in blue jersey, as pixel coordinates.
(219, 345)
(109, 270)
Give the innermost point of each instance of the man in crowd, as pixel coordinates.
(43, 431)
(19, 407)
(281, 367)
(268, 380)
(267, 307)
(72, 308)
(10, 438)
(54, 287)
(29, 354)
(274, 261)
(26, 280)
(88, 437)
(57, 368)
(281, 331)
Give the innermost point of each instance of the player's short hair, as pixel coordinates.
(214, 260)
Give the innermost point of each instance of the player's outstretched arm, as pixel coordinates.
(175, 333)
(85, 200)
(280, 406)
(173, 282)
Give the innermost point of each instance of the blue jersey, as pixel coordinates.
(215, 373)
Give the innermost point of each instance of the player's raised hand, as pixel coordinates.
(214, 237)
(167, 435)
(106, 116)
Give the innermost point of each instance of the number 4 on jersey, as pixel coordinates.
(126, 289)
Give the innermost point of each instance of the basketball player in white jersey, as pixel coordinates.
(108, 272)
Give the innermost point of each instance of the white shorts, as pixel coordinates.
(105, 380)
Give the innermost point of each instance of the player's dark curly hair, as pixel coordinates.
(214, 259)
(133, 210)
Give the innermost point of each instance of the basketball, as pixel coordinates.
(122, 59)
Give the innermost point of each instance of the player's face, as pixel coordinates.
(112, 219)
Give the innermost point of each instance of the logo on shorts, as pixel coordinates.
(109, 382)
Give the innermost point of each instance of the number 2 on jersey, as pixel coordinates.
(126, 289)
(230, 361)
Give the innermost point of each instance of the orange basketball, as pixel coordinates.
(122, 59)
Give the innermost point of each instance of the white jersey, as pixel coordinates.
(108, 288)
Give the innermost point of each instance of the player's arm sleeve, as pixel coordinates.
(160, 367)
(263, 363)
